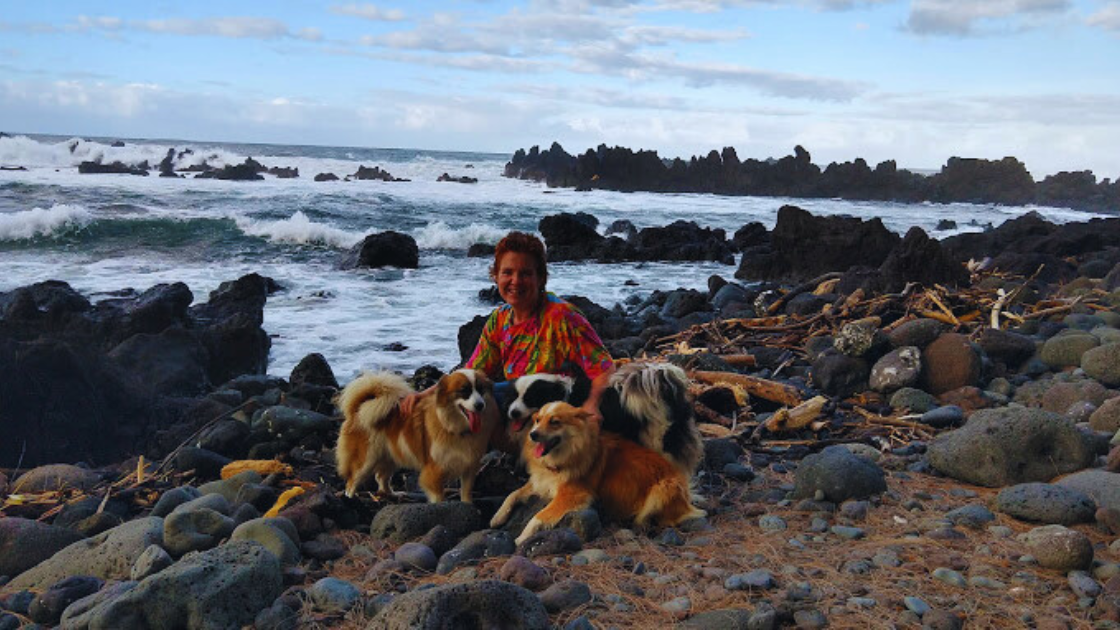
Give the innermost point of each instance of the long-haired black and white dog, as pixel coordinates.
(644, 402)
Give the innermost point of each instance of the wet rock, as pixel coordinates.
(206, 464)
(383, 249)
(1010, 348)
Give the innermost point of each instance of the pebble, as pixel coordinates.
(590, 556)
(916, 605)
(981, 581)
(757, 579)
(771, 523)
(949, 576)
(677, 605)
(848, 533)
(1083, 585)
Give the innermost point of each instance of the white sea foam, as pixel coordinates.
(36, 222)
(298, 229)
(439, 235)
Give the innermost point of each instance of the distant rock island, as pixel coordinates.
(969, 180)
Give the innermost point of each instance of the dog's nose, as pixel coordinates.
(478, 405)
(515, 414)
(534, 436)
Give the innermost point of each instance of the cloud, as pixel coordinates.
(1107, 18)
(368, 12)
(232, 27)
(967, 17)
(644, 67)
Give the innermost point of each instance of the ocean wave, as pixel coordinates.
(299, 229)
(38, 222)
(439, 235)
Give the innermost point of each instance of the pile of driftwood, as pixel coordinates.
(818, 420)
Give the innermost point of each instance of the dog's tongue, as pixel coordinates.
(539, 451)
(475, 420)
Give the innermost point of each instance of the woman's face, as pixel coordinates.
(518, 281)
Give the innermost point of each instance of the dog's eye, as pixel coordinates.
(554, 423)
(465, 391)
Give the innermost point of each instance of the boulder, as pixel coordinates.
(1101, 486)
(803, 246)
(1107, 416)
(918, 258)
(1059, 548)
(222, 588)
(383, 249)
(1010, 348)
(477, 604)
(897, 369)
(1000, 447)
(951, 361)
(486, 543)
(1065, 349)
(55, 477)
(109, 555)
(405, 522)
(25, 543)
(1103, 364)
(1046, 503)
(839, 475)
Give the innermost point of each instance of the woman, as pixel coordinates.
(534, 331)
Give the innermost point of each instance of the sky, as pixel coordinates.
(915, 81)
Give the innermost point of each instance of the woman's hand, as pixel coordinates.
(591, 408)
(408, 403)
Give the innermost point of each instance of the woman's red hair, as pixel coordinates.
(521, 243)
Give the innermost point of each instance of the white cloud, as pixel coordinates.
(310, 34)
(1107, 18)
(368, 12)
(967, 17)
(233, 27)
(644, 67)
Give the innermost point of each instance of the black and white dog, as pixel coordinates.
(644, 402)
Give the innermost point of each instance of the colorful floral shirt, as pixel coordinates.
(539, 345)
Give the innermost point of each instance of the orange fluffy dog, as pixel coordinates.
(444, 437)
(573, 464)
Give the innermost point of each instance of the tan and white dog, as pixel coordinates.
(574, 465)
(444, 437)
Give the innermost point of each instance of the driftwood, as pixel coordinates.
(757, 387)
(800, 416)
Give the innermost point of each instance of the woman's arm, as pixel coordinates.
(598, 386)
(408, 403)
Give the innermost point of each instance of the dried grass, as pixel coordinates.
(736, 544)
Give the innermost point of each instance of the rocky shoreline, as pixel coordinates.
(878, 453)
(966, 180)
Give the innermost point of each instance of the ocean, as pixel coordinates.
(105, 233)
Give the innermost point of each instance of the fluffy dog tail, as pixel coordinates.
(369, 399)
